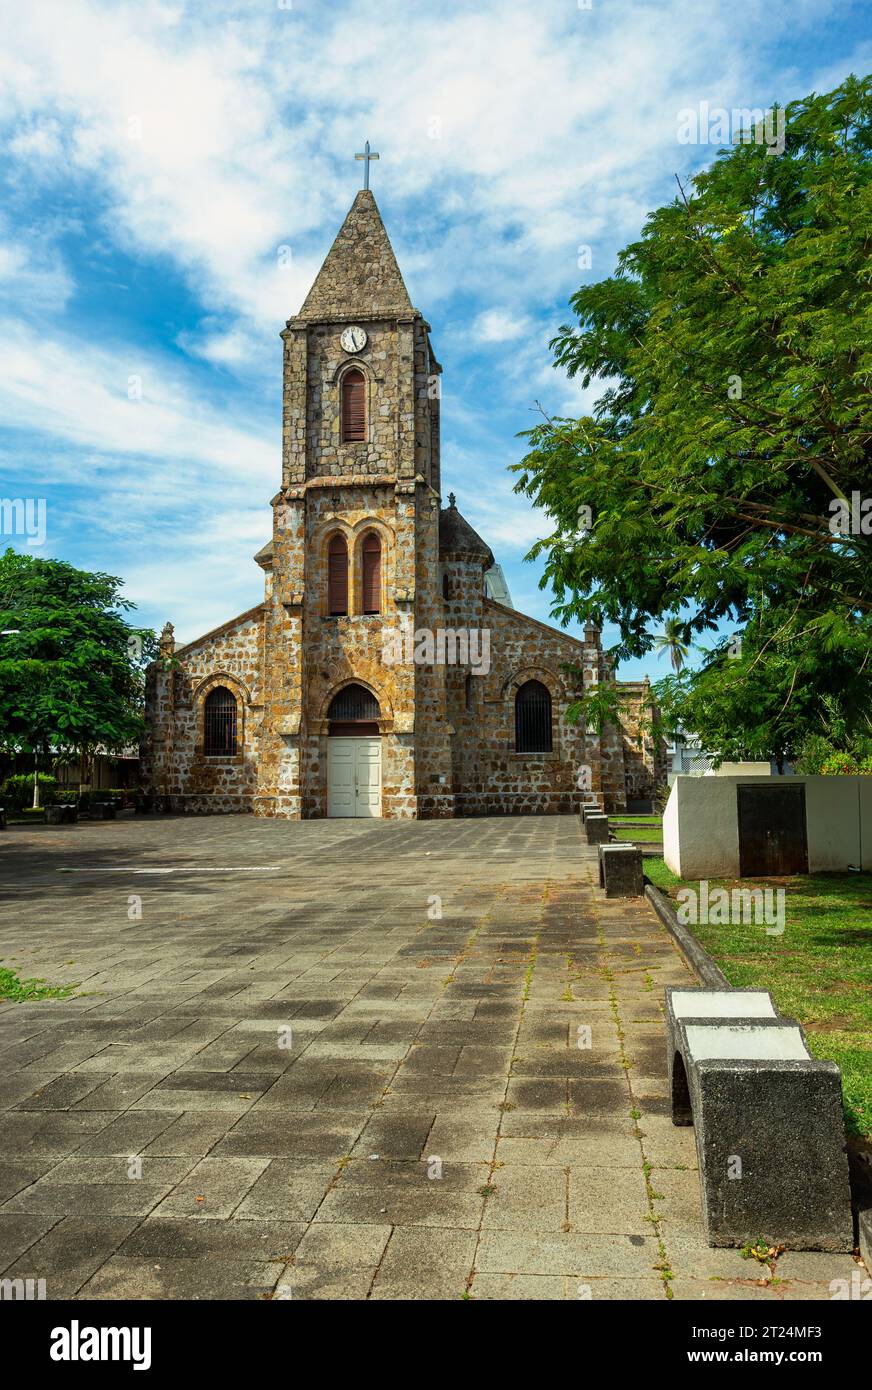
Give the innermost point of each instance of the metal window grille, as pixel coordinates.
(354, 703)
(219, 724)
(533, 718)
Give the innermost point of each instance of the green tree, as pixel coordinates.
(71, 667)
(726, 470)
(673, 640)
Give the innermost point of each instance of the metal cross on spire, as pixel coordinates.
(366, 157)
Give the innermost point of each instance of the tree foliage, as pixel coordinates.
(734, 435)
(70, 665)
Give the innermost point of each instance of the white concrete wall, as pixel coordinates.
(671, 843)
(701, 824)
(740, 770)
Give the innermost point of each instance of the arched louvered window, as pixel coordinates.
(533, 718)
(354, 711)
(371, 574)
(353, 406)
(446, 593)
(219, 723)
(337, 577)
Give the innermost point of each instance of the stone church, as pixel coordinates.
(385, 672)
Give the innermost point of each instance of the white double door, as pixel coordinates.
(354, 780)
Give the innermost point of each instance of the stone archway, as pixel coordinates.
(354, 754)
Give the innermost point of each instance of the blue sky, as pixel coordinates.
(157, 158)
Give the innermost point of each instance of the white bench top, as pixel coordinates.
(704, 1003)
(745, 1042)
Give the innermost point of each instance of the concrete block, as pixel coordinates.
(767, 1121)
(102, 810)
(61, 815)
(620, 871)
(597, 829)
(705, 1004)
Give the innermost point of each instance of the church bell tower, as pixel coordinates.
(355, 548)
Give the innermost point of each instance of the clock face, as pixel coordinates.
(353, 339)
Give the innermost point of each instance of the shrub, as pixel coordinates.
(18, 790)
(839, 765)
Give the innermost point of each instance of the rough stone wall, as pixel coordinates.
(433, 733)
(175, 768)
(341, 650)
(280, 771)
(489, 776)
(644, 755)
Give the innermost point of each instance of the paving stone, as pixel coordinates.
(130, 1198)
(231, 1278)
(395, 1135)
(64, 1091)
(528, 1287)
(288, 1189)
(601, 1149)
(168, 1237)
(403, 1035)
(507, 1252)
(525, 1288)
(307, 1283)
(215, 1187)
(346, 1247)
(285, 1134)
(14, 1177)
(70, 1253)
(183, 1134)
(603, 1199)
(527, 1199)
(19, 1231)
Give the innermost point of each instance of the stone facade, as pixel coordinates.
(446, 726)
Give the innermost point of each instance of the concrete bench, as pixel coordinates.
(596, 828)
(768, 1122)
(620, 871)
(61, 815)
(2, 817)
(102, 810)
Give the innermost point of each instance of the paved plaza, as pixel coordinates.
(345, 1059)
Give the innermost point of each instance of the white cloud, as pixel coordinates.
(87, 396)
(499, 326)
(218, 134)
(214, 139)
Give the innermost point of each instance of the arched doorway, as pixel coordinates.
(354, 775)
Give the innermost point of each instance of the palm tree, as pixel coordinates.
(673, 639)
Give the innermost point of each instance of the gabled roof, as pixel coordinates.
(456, 536)
(360, 277)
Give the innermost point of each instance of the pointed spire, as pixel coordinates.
(360, 276)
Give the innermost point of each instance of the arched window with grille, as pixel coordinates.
(219, 723)
(353, 406)
(533, 718)
(371, 574)
(354, 711)
(337, 577)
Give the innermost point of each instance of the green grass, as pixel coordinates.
(819, 971)
(654, 819)
(641, 834)
(18, 991)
